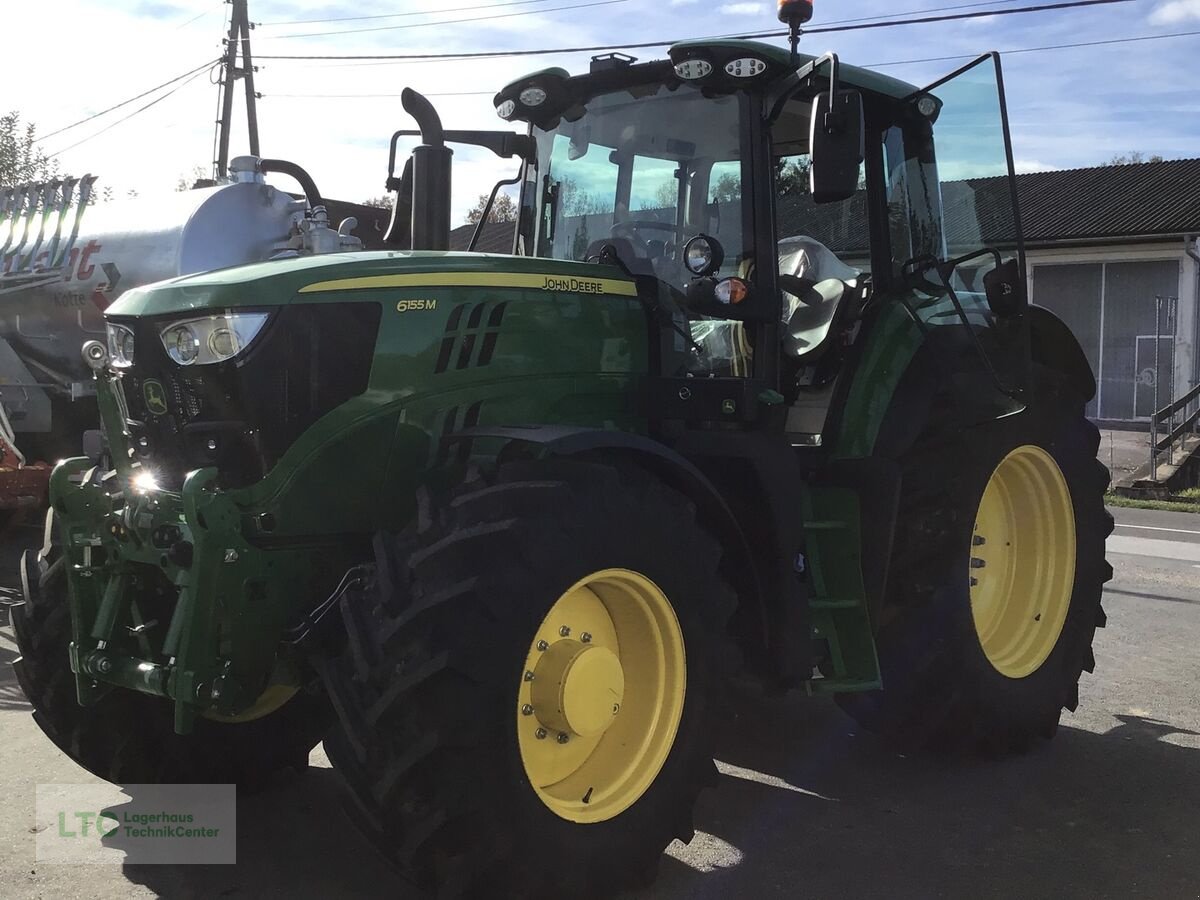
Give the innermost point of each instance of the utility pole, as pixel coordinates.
(237, 41)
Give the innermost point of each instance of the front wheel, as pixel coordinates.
(996, 581)
(527, 690)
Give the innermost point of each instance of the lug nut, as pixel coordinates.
(563, 737)
(974, 581)
(977, 563)
(564, 631)
(586, 638)
(529, 676)
(543, 646)
(104, 665)
(527, 710)
(978, 540)
(540, 734)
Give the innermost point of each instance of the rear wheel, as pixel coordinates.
(526, 692)
(996, 581)
(129, 738)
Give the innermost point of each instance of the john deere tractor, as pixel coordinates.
(758, 393)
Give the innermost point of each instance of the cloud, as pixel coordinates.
(1024, 166)
(1175, 11)
(742, 9)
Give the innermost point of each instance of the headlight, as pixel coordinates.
(213, 339)
(120, 346)
(703, 255)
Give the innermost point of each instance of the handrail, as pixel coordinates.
(1172, 408)
(1178, 432)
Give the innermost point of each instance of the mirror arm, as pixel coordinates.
(797, 78)
(487, 210)
(505, 144)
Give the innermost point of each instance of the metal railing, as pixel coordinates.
(1177, 419)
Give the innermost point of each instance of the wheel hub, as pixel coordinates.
(578, 688)
(1022, 566)
(601, 695)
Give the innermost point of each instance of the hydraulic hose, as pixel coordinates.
(283, 167)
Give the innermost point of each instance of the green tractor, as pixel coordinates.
(758, 394)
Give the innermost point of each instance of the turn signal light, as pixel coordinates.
(732, 291)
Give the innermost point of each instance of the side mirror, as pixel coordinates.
(835, 145)
(1004, 289)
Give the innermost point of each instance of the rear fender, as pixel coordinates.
(1053, 345)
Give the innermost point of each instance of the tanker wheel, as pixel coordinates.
(129, 738)
(996, 581)
(527, 690)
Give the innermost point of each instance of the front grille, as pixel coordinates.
(241, 416)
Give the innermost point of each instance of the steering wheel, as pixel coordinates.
(629, 230)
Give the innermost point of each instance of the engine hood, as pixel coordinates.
(284, 281)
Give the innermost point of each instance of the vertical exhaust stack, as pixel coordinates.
(431, 163)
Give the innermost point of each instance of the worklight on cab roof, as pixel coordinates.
(749, 67)
(533, 96)
(693, 69)
(507, 109)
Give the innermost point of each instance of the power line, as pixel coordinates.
(1013, 52)
(427, 12)
(130, 100)
(500, 54)
(877, 65)
(197, 17)
(140, 109)
(403, 15)
(513, 15)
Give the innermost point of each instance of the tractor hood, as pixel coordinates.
(280, 282)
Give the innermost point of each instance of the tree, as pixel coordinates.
(20, 160)
(383, 201)
(503, 210)
(1132, 158)
(191, 178)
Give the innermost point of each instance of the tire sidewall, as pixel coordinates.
(621, 540)
(1011, 701)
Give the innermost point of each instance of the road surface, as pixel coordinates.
(807, 805)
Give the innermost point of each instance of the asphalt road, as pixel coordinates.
(807, 806)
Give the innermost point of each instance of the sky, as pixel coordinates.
(1068, 107)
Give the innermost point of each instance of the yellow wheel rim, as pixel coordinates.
(274, 698)
(601, 695)
(1022, 567)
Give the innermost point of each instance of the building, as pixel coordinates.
(1110, 250)
(1103, 244)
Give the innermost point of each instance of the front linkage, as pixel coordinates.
(167, 596)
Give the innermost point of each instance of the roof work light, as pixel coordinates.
(795, 12)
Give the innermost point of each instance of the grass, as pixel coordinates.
(1185, 501)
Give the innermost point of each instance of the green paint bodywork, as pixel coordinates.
(354, 472)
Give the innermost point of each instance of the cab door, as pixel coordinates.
(955, 228)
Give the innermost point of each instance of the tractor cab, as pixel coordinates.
(767, 203)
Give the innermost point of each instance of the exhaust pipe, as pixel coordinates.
(431, 163)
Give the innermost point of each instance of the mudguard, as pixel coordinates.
(1053, 345)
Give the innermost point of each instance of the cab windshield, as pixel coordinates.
(644, 169)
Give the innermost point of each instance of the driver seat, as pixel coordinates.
(811, 322)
